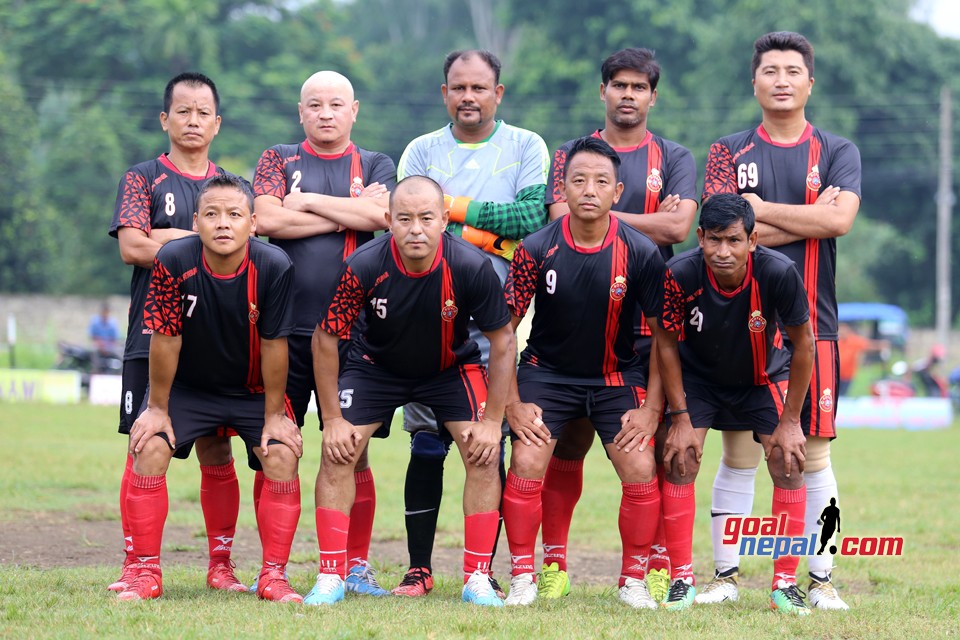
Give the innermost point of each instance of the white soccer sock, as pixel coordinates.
(732, 495)
(821, 486)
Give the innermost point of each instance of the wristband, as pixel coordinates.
(677, 412)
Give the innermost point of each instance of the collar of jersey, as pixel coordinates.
(607, 240)
(476, 145)
(395, 252)
(229, 276)
(746, 279)
(807, 132)
(646, 140)
(326, 156)
(165, 161)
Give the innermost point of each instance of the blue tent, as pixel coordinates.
(887, 320)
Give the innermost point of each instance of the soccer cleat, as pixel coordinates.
(634, 592)
(787, 598)
(658, 584)
(523, 590)
(477, 590)
(681, 595)
(272, 584)
(220, 576)
(127, 575)
(723, 587)
(553, 582)
(496, 587)
(327, 590)
(362, 579)
(823, 595)
(418, 581)
(147, 585)
(253, 587)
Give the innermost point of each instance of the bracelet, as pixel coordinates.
(677, 412)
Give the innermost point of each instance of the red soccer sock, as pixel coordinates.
(792, 502)
(639, 513)
(147, 505)
(479, 534)
(258, 479)
(562, 487)
(220, 503)
(332, 528)
(278, 514)
(361, 518)
(679, 508)
(124, 519)
(658, 550)
(522, 512)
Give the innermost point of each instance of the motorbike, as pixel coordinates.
(88, 361)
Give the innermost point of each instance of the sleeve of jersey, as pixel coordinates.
(488, 307)
(650, 276)
(269, 178)
(673, 304)
(555, 178)
(792, 303)
(845, 169)
(133, 203)
(720, 176)
(514, 219)
(383, 170)
(345, 307)
(521, 282)
(410, 163)
(162, 310)
(277, 312)
(682, 174)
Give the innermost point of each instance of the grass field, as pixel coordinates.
(64, 462)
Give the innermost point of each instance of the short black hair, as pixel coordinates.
(782, 41)
(634, 59)
(725, 209)
(191, 79)
(492, 61)
(589, 144)
(411, 181)
(228, 180)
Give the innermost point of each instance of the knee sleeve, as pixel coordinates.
(428, 445)
(741, 451)
(818, 454)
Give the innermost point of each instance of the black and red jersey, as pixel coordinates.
(731, 338)
(286, 168)
(152, 195)
(416, 323)
(221, 319)
(587, 301)
(750, 162)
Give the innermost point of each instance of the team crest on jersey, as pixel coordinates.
(654, 181)
(449, 311)
(826, 400)
(254, 314)
(619, 288)
(356, 188)
(813, 179)
(757, 323)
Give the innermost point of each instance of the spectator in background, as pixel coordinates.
(103, 331)
(851, 345)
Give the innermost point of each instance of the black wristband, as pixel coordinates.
(678, 411)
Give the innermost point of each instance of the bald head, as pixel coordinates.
(328, 80)
(419, 185)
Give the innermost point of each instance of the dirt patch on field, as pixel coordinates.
(46, 540)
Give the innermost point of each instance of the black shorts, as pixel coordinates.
(818, 416)
(195, 414)
(754, 408)
(370, 394)
(562, 403)
(134, 377)
(300, 379)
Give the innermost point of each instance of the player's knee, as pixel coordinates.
(427, 444)
(575, 442)
(528, 461)
(818, 454)
(690, 470)
(777, 466)
(740, 450)
(213, 451)
(154, 458)
(636, 467)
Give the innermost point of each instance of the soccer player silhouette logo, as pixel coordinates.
(830, 521)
